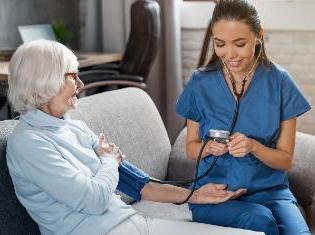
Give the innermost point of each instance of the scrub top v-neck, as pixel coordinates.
(271, 97)
(229, 92)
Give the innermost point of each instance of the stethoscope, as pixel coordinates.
(215, 135)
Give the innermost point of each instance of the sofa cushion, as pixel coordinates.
(180, 167)
(163, 210)
(302, 174)
(129, 118)
(154, 226)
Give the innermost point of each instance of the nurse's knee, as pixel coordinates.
(259, 219)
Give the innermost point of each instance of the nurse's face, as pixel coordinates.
(234, 43)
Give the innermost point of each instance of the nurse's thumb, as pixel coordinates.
(221, 186)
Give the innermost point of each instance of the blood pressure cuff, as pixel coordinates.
(131, 180)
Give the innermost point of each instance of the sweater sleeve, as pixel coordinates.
(43, 165)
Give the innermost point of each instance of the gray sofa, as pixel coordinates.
(129, 118)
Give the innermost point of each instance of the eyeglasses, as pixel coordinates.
(73, 75)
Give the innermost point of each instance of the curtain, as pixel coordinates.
(106, 29)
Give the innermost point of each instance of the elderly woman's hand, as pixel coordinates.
(214, 194)
(108, 148)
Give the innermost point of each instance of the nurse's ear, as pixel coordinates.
(260, 36)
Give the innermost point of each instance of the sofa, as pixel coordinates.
(129, 118)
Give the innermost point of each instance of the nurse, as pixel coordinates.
(260, 148)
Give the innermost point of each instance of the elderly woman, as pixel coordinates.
(63, 174)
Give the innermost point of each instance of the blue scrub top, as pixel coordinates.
(271, 98)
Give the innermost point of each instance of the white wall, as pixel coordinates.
(275, 14)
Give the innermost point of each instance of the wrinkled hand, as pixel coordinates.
(215, 148)
(240, 145)
(214, 194)
(108, 148)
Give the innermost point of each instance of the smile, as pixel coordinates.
(234, 63)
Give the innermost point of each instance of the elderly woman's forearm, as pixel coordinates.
(164, 193)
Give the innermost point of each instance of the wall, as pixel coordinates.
(23, 12)
(290, 44)
(295, 14)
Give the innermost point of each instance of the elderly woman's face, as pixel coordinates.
(66, 98)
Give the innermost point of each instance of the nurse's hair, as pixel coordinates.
(243, 11)
(37, 73)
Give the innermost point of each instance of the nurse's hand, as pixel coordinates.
(215, 148)
(240, 145)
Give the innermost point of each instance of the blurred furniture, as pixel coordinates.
(5, 108)
(86, 60)
(4, 70)
(130, 119)
(140, 52)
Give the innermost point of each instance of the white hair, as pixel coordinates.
(37, 73)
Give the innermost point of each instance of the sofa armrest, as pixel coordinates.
(302, 174)
(179, 166)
